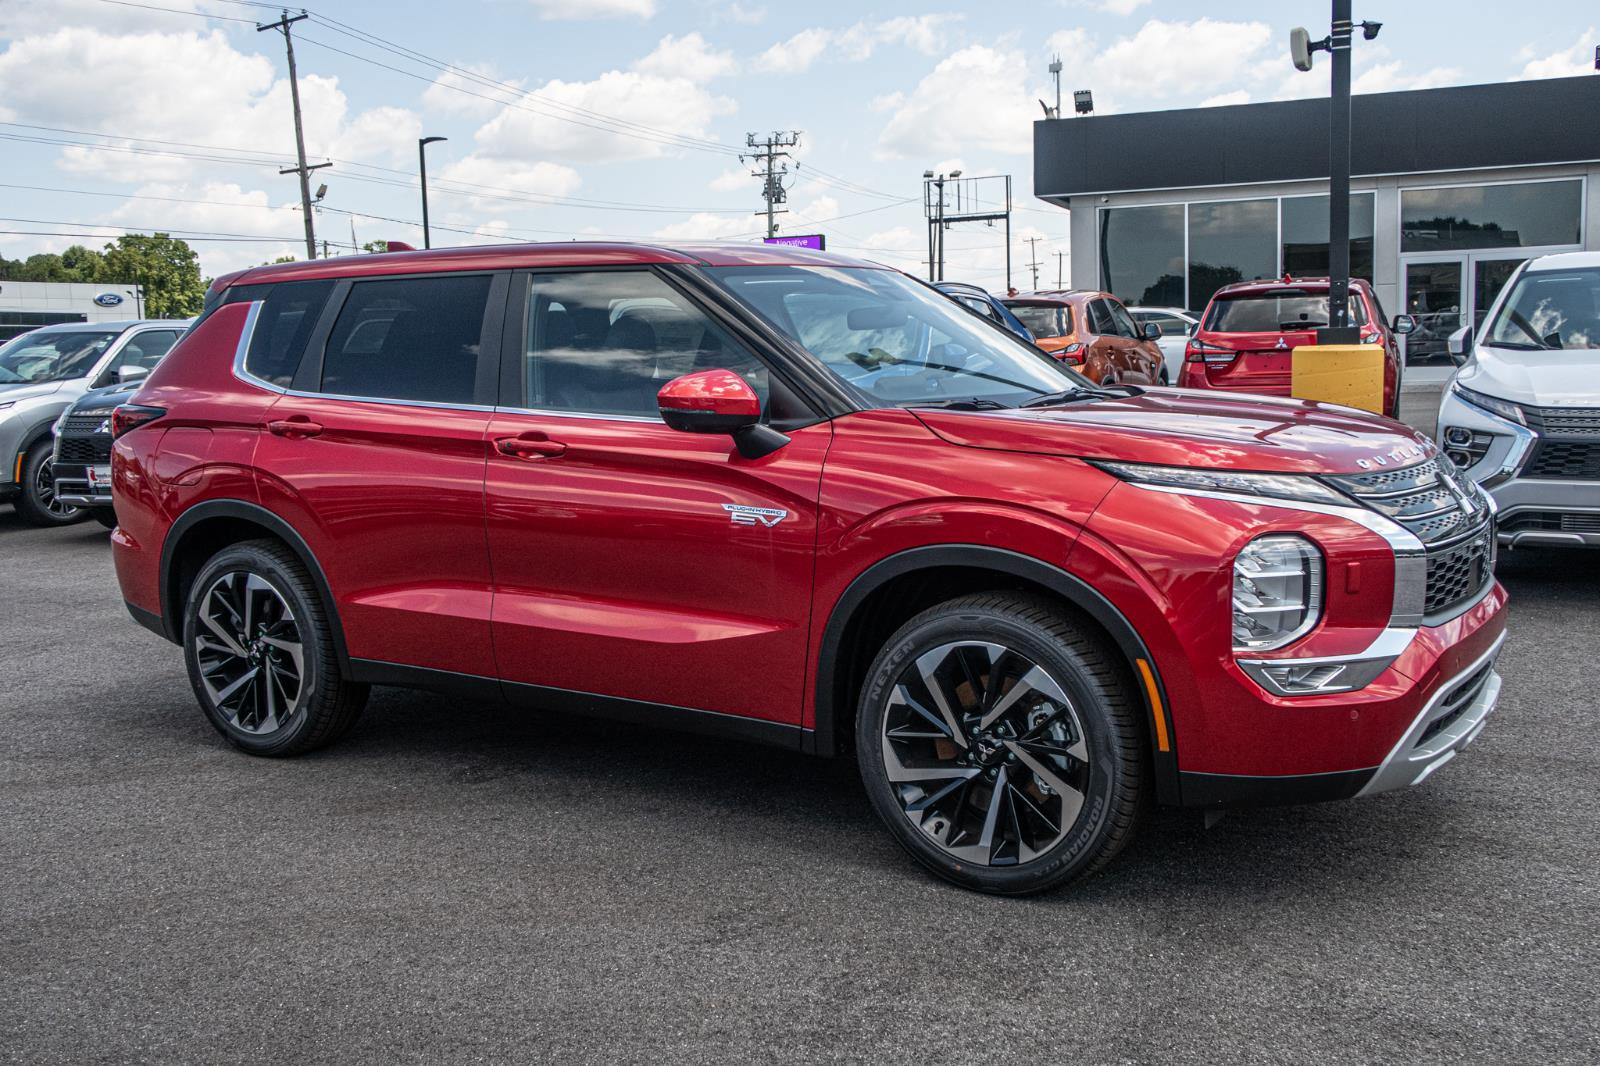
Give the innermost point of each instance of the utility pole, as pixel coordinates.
(1033, 259)
(303, 170)
(1060, 262)
(767, 153)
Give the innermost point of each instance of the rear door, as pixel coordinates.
(633, 561)
(1106, 347)
(376, 455)
(1140, 359)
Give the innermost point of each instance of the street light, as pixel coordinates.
(936, 222)
(422, 171)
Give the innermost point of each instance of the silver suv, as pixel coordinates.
(1522, 415)
(41, 373)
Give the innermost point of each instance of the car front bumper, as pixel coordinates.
(75, 486)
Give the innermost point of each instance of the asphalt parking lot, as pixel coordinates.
(459, 882)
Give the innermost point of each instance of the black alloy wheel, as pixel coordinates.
(259, 646)
(1001, 744)
(38, 504)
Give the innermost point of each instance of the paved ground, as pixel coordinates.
(462, 883)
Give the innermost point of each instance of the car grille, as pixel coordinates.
(1564, 421)
(1456, 701)
(1565, 459)
(81, 440)
(1552, 522)
(1447, 514)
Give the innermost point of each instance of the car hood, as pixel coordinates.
(1540, 379)
(19, 390)
(1190, 427)
(109, 396)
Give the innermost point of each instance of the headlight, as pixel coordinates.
(1277, 591)
(1504, 408)
(1276, 486)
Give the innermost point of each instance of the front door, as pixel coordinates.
(631, 560)
(1436, 297)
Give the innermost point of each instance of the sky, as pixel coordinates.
(592, 119)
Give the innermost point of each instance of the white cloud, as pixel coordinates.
(23, 18)
(388, 133)
(511, 175)
(733, 180)
(1563, 63)
(1121, 7)
(741, 13)
(456, 94)
(532, 130)
(219, 207)
(574, 10)
(704, 226)
(1166, 57)
(923, 33)
(796, 54)
(1238, 96)
(688, 57)
(976, 99)
(1395, 76)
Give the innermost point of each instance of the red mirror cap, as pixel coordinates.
(712, 392)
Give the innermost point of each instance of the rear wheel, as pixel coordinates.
(37, 505)
(1000, 744)
(259, 648)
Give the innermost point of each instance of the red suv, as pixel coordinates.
(796, 498)
(1247, 336)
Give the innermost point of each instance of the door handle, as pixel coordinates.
(529, 447)
(296, 427)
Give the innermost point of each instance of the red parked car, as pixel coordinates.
(792, 497)
(1247, 336)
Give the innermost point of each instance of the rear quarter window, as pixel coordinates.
(284, 325)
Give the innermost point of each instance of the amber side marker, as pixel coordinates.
(1162, 743)
(18, 478)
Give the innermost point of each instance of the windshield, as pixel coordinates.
(38, 357)
(1550, 310)
(898, 342)
(1277, 312)
(1044, 320)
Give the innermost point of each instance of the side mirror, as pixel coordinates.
(1152, 331)
(1404, 324)
(131, 373)
(719, 401)
(1459, 342)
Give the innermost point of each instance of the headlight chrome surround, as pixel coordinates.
(1297, 487)
(1505, 409)
(1277, 596)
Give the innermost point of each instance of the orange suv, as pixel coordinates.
(1093, 333)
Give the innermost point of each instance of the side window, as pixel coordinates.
(604, 342)
(408, 339)
(153, 344)
(1123, 321)
(1100, 319)
(288, 315)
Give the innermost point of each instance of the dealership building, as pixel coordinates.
(26, 305)
(1450, 190)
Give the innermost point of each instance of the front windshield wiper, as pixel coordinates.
(1083, 392)
(1520, 320)
(966, 403)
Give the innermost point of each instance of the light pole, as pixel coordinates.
(936, 221)
(422, 171)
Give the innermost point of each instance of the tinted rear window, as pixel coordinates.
(287, 318)
(408, 339)
(1044, 320)
(1281, 312)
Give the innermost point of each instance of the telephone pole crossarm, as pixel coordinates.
(283, 25)
(768, 152)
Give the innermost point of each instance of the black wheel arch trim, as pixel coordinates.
(825, 739)
(172, 614)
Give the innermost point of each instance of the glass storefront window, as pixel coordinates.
(1305, 236)
(1526, 215)
(1234, 240)
(1141, 254)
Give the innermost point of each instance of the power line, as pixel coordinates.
(771, 172)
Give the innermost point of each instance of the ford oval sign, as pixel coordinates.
(108, 299)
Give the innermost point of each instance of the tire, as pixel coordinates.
(1083, 773)
(284, 706)
(36, 504)
(105, 516)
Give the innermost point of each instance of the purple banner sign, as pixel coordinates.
(808, 240)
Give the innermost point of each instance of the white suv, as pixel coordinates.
(41, 373)
(1522, 415)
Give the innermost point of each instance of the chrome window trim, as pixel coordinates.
(641, 419)
(245, 336)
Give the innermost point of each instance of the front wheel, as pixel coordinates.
(259, 648)
(1001, 744)
(37, 505)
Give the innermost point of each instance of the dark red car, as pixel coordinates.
(1247, 336)
(796, 498)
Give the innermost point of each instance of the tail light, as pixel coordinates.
(1072, 353)
(1370, 336)
(1197, 351)
(130, 416)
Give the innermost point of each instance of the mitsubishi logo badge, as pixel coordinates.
(1282, 344)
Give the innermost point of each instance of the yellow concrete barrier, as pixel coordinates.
(1348, 374)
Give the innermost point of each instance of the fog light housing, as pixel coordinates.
(1466, 447)
(1277, 591)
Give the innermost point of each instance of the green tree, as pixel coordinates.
(77, 263)
(375, 246)
(167, 268)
